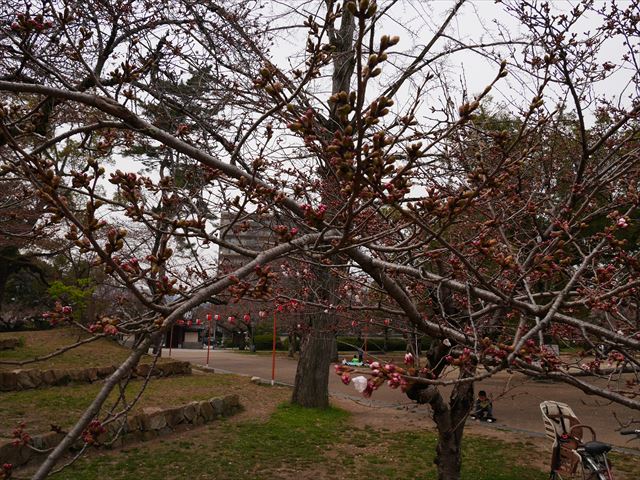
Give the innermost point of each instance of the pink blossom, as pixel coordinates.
(408, 359)
(375, 365)
(110, 330)
(346, 378)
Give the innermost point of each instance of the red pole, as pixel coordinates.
(208, 343)
(273, 352)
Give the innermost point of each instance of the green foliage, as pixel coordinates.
(77, 295)
(265, 342)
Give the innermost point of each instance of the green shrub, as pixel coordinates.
(265, 342)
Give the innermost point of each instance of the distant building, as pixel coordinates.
(245, 233)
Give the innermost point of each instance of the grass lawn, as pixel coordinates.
(100, 353)
(40, 408)
(301, 444)
(273, 440)
(268, 440)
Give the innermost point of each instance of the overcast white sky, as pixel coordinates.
(479, 21)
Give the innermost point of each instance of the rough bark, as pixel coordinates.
(311, 387)
(450, 421)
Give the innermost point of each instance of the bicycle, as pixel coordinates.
(570, 454)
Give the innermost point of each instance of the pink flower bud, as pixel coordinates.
(408, 359)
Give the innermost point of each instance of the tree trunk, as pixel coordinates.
(450, 430)
(311, 387)
(450, 422)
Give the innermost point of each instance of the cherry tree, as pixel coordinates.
(489, 219)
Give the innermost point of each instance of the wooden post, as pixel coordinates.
(170, 340)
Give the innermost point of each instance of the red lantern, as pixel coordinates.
(189, 323)
(246, 318)
(280, 308)
(198, 322)
(180, 322)
(387, 322)
(216, 317)
(232, 320)
(354, 324)
(208, 317)
(262, 314)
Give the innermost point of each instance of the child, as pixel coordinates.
(483, 408)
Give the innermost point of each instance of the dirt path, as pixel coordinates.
(516, 398)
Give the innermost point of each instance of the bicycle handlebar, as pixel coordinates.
(630, 432)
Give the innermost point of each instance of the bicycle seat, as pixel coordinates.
(596, 448)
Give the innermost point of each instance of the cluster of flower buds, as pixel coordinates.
(342, 149)
(314, 214)
(392, 374)
(604, 274)
(115, 239)
(166, 285)
(267, 81)
(622, 222)
(564, 331)
(7, 470)
(157, 261)
(285, 233)
(20, 436)
(93, 431)
(343, 103)
(131, 266)
(26, 23)
(108, 325)
(461, 359)
(616, 357)
(59, 314)
(593, 366)
(130, 186)
(396, 191)
(362, 8)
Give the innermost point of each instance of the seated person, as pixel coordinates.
(483, 408)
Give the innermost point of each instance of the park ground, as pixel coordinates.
(386, 437)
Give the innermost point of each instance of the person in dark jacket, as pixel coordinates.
(483, 408)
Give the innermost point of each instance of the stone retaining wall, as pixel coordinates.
(34, 378)
(9, 343)
(142, 427)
